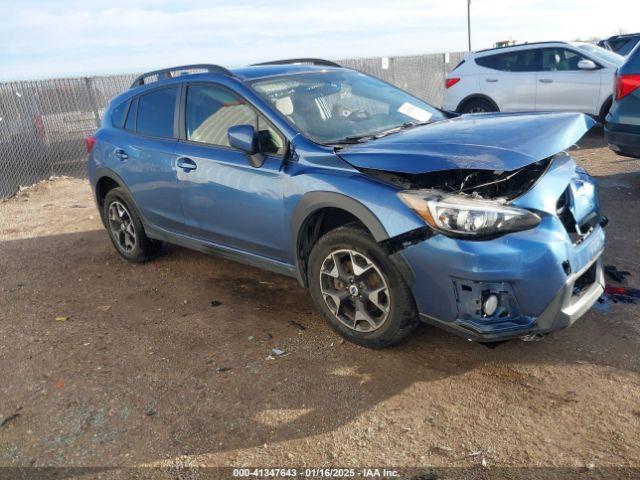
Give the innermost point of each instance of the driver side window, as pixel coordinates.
(211, 110)
(560, 59)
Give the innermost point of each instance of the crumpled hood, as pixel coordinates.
(493, 141)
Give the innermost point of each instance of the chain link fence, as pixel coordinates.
(43, 123)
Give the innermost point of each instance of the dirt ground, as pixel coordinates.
(108, 364)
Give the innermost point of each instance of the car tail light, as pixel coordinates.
(89, 143)
(450, 82)
(625, 84)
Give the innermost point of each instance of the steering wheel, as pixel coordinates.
(352, 115)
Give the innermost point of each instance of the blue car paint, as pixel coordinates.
(622, 125)
(255, 214)
(492, 141)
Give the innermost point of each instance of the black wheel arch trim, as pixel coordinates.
(477, 96)
(101, 173)
(312, 202)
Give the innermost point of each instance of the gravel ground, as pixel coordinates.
(109, 364)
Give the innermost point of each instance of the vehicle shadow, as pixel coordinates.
(145, 365)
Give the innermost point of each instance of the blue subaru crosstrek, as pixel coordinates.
(622, 126)
(389, 210)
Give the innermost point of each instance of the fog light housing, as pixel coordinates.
(490, 305)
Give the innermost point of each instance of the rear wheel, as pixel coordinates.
(478, 105)
(359, 291)
(125, 228)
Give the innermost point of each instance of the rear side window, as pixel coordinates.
(155, 112)
(518, 61)
(119, 114)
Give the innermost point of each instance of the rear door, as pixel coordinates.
(509, 79)
(144, 156)
(562, 86)
(226, 200)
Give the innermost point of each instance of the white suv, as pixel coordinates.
(569, 76)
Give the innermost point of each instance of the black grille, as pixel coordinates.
(564, 213)
(584, 281)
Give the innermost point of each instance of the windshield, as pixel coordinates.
(335, 107)
(602, 54)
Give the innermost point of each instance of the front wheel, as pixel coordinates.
(359, 291)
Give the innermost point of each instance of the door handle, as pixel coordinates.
(545, 80)
(120, 154)
(186, 164)
(491, 80)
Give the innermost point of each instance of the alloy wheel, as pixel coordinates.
(355, 290)
(121, 226)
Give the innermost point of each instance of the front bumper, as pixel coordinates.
(545, 278)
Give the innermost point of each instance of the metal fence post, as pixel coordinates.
(92, 100)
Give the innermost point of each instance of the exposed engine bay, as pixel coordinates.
(484, 184)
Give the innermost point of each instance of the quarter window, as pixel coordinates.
(119, 113)
(130, 124)
(210, 111)
(155, 112)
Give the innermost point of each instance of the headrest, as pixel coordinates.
(284, 105)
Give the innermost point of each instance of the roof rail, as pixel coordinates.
(165, 73)
(525, 44)
(293, 61)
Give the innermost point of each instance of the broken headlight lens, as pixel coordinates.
(465, 216)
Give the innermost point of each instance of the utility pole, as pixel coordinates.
(469, 22)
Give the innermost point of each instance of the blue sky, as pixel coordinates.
(54, 38)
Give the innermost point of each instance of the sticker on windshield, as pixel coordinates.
(414, 112)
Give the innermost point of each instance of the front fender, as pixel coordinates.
(375, 204)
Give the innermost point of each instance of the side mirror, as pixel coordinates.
(244, 137)
(587, 65)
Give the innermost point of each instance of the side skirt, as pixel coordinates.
(223, 251)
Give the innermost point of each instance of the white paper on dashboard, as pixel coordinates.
(414, 112)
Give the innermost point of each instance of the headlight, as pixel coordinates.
(468, 217)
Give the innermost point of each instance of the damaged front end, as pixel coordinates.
(469, 203)
(477, 183)
(506, 254)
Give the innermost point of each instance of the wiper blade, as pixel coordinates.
(354, 139)
(404, 126)
(383, 133)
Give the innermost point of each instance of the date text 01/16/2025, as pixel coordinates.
(315, 473)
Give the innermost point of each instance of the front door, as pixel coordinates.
(227, 201)
(562, 86)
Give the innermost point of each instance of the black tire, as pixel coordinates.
(623, 152)
(478, 105)
(401, 317)
(142, 248)
(604, 111)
